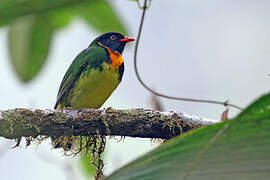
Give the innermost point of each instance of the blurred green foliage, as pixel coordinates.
(90, 156)
(233, 149)
(86, 166)
(29, 44)
(32, 24)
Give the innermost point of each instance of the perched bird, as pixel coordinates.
(94, 74)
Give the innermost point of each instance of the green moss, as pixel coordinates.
(60, 117)
(16, 124)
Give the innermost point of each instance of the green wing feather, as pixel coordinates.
(92, 57)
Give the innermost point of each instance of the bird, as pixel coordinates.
(92, 77)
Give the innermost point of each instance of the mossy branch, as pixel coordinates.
(142, 123)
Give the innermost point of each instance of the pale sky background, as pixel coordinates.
(203, 49)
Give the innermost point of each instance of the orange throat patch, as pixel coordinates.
(116, 57)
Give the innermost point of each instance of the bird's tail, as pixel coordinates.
(65, 142)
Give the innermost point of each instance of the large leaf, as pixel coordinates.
(61, 17)
(258, 109)
(16, 8)
(101, 15)
(61, 10)
(98, 13)
(234, 149)
(29, 42)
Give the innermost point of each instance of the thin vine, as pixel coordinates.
(145, 6)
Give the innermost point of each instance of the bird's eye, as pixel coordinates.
(113, 37)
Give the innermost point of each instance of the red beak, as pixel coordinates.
(127, 39)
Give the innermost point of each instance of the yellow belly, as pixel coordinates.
(94, 87)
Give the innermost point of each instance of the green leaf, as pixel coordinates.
(29, 42)
(86, 166)
(17, 8)
(62, 17)
(234, 149)
(97, 13)
(258, 109)
(10, 10)
(101, 15)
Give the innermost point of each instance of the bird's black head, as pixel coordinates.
(113, 40)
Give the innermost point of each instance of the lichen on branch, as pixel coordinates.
(144, 123)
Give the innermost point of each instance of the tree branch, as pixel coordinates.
(85, 122)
